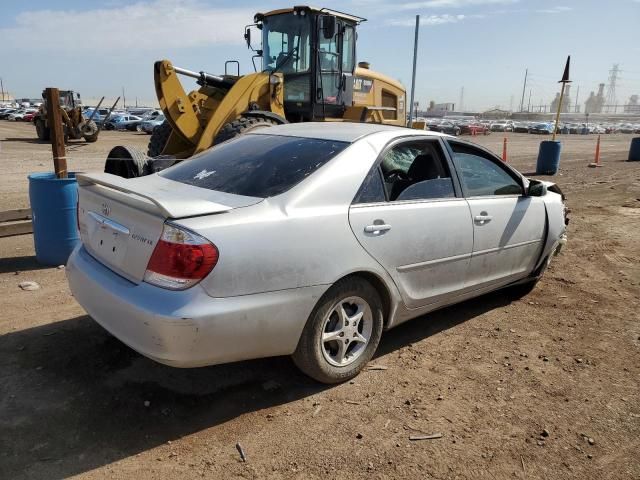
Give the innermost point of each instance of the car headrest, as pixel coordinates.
(424, 167)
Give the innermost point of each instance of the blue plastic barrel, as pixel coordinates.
(53, 206)
(548, 158)
(634, 150)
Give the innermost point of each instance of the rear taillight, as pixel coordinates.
(180, 260)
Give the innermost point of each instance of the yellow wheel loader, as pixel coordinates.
(74, 124)
(308, 73)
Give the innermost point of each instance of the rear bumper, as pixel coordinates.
(189, 328)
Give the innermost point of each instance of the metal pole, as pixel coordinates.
(413, 78)
(524, 88)
(95, 110)
(529, 107)
(104, 121)
(2, 89)
(575, 110)
(555, 127)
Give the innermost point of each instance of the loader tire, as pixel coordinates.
(42, 131)
(90, 132)
(159, 139)
(127, 162)
(242, 125)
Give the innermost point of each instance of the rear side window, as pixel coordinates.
(256, 165)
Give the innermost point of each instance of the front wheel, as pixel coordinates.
(159, 138)
(342, 333)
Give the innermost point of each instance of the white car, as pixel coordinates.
(19, 115)
(502, 126)
(308, 240)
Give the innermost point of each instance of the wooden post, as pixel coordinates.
(564, 81)
(555, 124)
(54, 118)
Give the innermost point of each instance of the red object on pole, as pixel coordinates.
(504, 150)
(596, 160)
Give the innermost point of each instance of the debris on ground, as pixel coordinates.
(29, 286)
(377, 367)
(243, 457)
(433, 436)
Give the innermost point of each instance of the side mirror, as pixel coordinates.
(328, 26)
(536, 189)
(247, 36)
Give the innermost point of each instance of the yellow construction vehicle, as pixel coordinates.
(309, 73)
(74, 124)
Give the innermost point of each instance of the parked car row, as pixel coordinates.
(18, 114)
(472, 126)
(457, 127)
(120, 120)
(146, 120)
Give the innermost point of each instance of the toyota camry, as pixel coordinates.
(307, 240)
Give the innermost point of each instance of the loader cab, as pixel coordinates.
(315, 50)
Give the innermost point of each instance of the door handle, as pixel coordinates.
(383, 227)
(482, 218)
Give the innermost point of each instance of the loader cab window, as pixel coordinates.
(286, 43)
(348, 49)
(329, 71)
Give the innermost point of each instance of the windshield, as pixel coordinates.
(286, 43)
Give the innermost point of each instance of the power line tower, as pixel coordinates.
(611, 88)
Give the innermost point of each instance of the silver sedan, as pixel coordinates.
(307, 240)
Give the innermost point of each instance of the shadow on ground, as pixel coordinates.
(24, 139)
(72, 397)
(20, 264)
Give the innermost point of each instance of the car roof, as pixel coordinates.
(338, 131)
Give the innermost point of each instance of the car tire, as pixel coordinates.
(335, 360)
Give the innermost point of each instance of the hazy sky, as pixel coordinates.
(482, 45)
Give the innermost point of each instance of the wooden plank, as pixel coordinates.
(18, 214)
(10, 229)
(54, 118)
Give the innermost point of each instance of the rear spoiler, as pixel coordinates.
(169, 198)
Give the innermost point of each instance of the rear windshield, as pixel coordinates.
(256, 165)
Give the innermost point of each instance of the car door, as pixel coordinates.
(508, 226)
(411, 217)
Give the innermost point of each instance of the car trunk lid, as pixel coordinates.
(121, 219)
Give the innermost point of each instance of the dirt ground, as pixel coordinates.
(546, 387)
